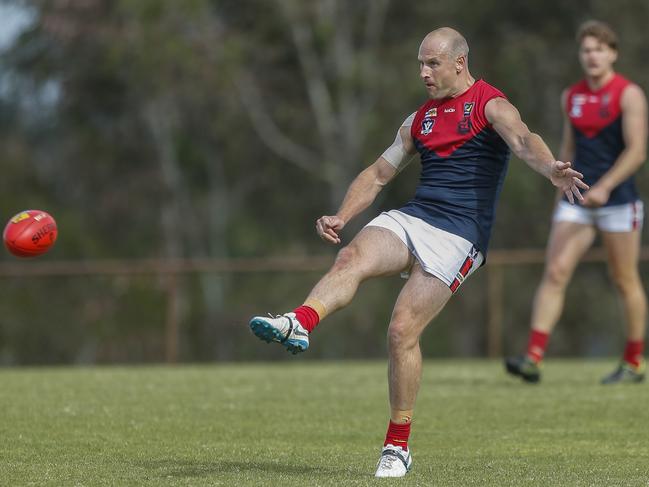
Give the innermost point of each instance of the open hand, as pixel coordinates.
(568, 180)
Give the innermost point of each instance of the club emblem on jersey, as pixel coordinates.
(427, 126)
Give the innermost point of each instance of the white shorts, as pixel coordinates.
(446, 256)
(616, 218)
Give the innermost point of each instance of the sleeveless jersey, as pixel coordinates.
(596, 119)
(463, 165)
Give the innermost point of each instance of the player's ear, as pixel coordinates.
(614, 55)
(460, 62)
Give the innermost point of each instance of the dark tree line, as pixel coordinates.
(158, 128)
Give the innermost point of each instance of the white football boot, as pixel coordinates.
(284, 329)
(394, 462)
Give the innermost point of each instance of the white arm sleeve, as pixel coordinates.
(396, 154)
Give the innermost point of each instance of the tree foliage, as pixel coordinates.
(158, 128)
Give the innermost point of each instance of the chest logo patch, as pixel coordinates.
(464, 126)
(427, 126)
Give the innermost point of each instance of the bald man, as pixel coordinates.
(463, 135)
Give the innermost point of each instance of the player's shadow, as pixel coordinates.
(193, 469)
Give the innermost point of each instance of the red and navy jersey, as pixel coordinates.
(463, 165)
(596, 119)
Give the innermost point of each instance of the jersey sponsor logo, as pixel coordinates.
(431, 113)
(427, 126)
(449, 110)
(579, 99)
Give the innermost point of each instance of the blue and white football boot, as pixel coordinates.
(284, 329)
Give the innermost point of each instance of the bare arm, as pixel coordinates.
(529, 147)
(634, 131)
(368, 184)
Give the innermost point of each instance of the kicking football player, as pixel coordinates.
(605, 134)
(463, 135)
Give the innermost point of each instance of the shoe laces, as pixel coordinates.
(290, 323)
(387, 461)
(391, 455)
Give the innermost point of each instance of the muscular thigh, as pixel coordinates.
(379, 252)
(623, 250)
(420, 300)
(567, 244)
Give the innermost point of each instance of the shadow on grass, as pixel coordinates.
(188, 468)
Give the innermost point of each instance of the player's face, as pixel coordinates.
(596, 58)
(437, 69)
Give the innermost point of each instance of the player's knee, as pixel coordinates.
(625, 281)
(556, 275)
(347, 257)
(401, 335)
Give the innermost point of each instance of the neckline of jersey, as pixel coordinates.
(603, 87)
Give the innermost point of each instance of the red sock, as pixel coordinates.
(307, 316)
(397, 435)
(633, 352)
(537, 344)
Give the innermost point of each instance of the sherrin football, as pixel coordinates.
(30, 233)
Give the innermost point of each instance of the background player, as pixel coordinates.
(605, 131)
(462, 134)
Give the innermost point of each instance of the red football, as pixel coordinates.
(30, 233)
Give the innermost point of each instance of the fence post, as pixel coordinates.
(171, 319)
(495, 302)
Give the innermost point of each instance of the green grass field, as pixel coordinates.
(307, 423)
